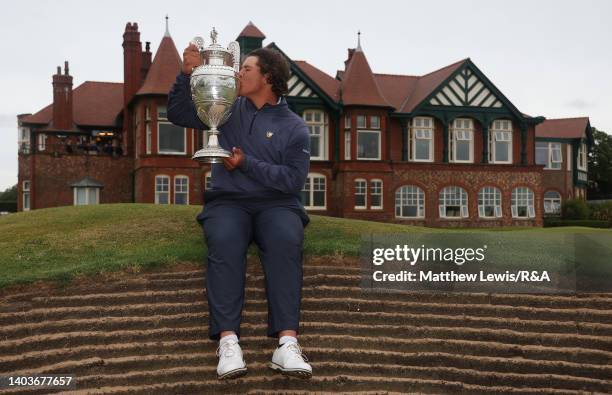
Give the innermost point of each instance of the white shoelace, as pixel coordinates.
(226, 348)
(295, 348)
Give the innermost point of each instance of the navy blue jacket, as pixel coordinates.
(275, 141)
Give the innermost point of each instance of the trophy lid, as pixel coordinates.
(216, 55)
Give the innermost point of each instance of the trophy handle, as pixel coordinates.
(198, 42)
(234, 49)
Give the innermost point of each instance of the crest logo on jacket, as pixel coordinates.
(269, 134)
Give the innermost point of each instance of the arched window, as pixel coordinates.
(453, 203)
(409, 202)
(552, 202)
(489, 203)
(522, 203)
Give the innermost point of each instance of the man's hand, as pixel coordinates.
(234, 161)
(191, 59)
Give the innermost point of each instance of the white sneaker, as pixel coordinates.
(231, 364)
(289, 360)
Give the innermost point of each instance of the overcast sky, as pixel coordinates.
(550, 58)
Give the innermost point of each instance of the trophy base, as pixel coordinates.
(211, 155)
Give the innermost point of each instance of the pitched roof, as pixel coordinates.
(87, 182)
(327, 83)
(94, 104)
(164, 69)
(572, 128)
(358, 84)
(250, 30)
(395, 88)
(427, 84)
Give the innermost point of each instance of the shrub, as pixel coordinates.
(601, 211)
(591, 223)
(575, 209)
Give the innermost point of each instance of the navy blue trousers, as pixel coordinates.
(277, 227)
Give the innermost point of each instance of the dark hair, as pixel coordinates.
(273, 63)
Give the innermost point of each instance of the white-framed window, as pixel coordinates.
(171, 139)
(162, 189)
(489, 203)
(409, 202)
(552, 202)
(25, 191)
(376, 194)
(86, 195)
(568, 155)
(422, 139)
(347, 145)
(549, 155)
(368, 144)
(181, 190)
(453, 203)
(462, 141)
(522, 203)
(316, 121)
(42, 141)
(207, 181)
(148, 136)
(347, 121)
(23, 140)
(361, 122)
(582, 157)
(374, 122)
(361, 193)
(313, 193)
(500, 141)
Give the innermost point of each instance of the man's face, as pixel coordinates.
(251, 79)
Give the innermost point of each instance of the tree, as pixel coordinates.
(600, 166)
(9, 195)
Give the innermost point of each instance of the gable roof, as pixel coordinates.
(328, 84)
(163, 71)
(94, 104)
(358, 85)
(250, 30)
(571, 128)
(427, 84)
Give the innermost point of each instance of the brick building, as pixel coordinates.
(443, 149)
(562, 146)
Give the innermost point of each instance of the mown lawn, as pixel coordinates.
(59, 243)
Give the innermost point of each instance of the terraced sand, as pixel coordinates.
(145, 333)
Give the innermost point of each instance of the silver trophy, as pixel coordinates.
(214, 87)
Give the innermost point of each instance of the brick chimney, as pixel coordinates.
(146, 62)
(351, 51)
(132, 62)
(62, 99)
